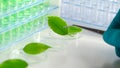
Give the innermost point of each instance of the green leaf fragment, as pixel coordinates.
(0, 65)
(35, 48)
(58, 25)
(14, 63)
(72, 30)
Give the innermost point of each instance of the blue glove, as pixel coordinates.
(112, 34)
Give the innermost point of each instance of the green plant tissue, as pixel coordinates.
(58, 25)
(72, 30)
(35, 48)
(14, 63)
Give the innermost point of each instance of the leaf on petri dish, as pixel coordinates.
(72, 30)
(35, 48)
(14, 63)
(58, 25)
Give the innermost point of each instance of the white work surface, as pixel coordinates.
(89, 51)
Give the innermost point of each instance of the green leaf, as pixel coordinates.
(58, 25)
(74, 30)
(35, 48)
(0, 65)
(14, 63)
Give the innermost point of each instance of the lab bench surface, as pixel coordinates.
(87, 51)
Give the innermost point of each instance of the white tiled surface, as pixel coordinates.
(89, 51)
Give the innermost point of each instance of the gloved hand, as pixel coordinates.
(112, 34)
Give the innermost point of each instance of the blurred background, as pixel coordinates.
(25, 21)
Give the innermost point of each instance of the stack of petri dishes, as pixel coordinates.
(96, 14)
(20, 19)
